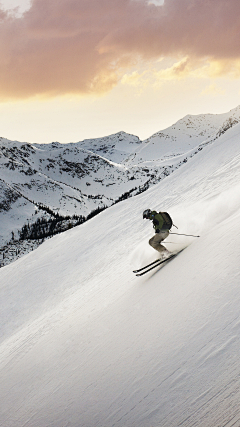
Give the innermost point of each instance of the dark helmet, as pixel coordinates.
(146, 213)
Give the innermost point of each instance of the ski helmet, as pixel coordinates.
(146, 213)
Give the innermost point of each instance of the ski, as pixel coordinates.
(146, 266)
(156, 264)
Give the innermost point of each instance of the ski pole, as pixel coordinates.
(188, 235)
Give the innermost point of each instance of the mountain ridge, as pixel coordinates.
(78, 178)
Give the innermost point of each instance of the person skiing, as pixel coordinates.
(162, 223)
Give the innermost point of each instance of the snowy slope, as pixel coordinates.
(84, 343)
(188, 133)
(66, 178)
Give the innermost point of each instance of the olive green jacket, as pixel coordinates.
(157, 220)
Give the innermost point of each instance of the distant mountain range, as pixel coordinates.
(48, 188)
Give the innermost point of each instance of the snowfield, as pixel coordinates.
(85, 343)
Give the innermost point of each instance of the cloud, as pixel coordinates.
(137, 79)
(86, 46)
(185, 68)
(154, 77)
(213, 90)
(177, 71)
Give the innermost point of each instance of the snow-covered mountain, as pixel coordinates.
(184, 136)
(46, 188)
(85, 343)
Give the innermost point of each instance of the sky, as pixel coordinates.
(76, 69)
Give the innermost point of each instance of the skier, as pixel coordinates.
(162, 223)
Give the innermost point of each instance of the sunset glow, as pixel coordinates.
(75, 69)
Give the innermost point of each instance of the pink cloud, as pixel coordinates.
(76, 46)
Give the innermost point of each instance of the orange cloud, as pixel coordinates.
(85, 46)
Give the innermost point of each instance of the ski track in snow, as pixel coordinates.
(85, 343)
